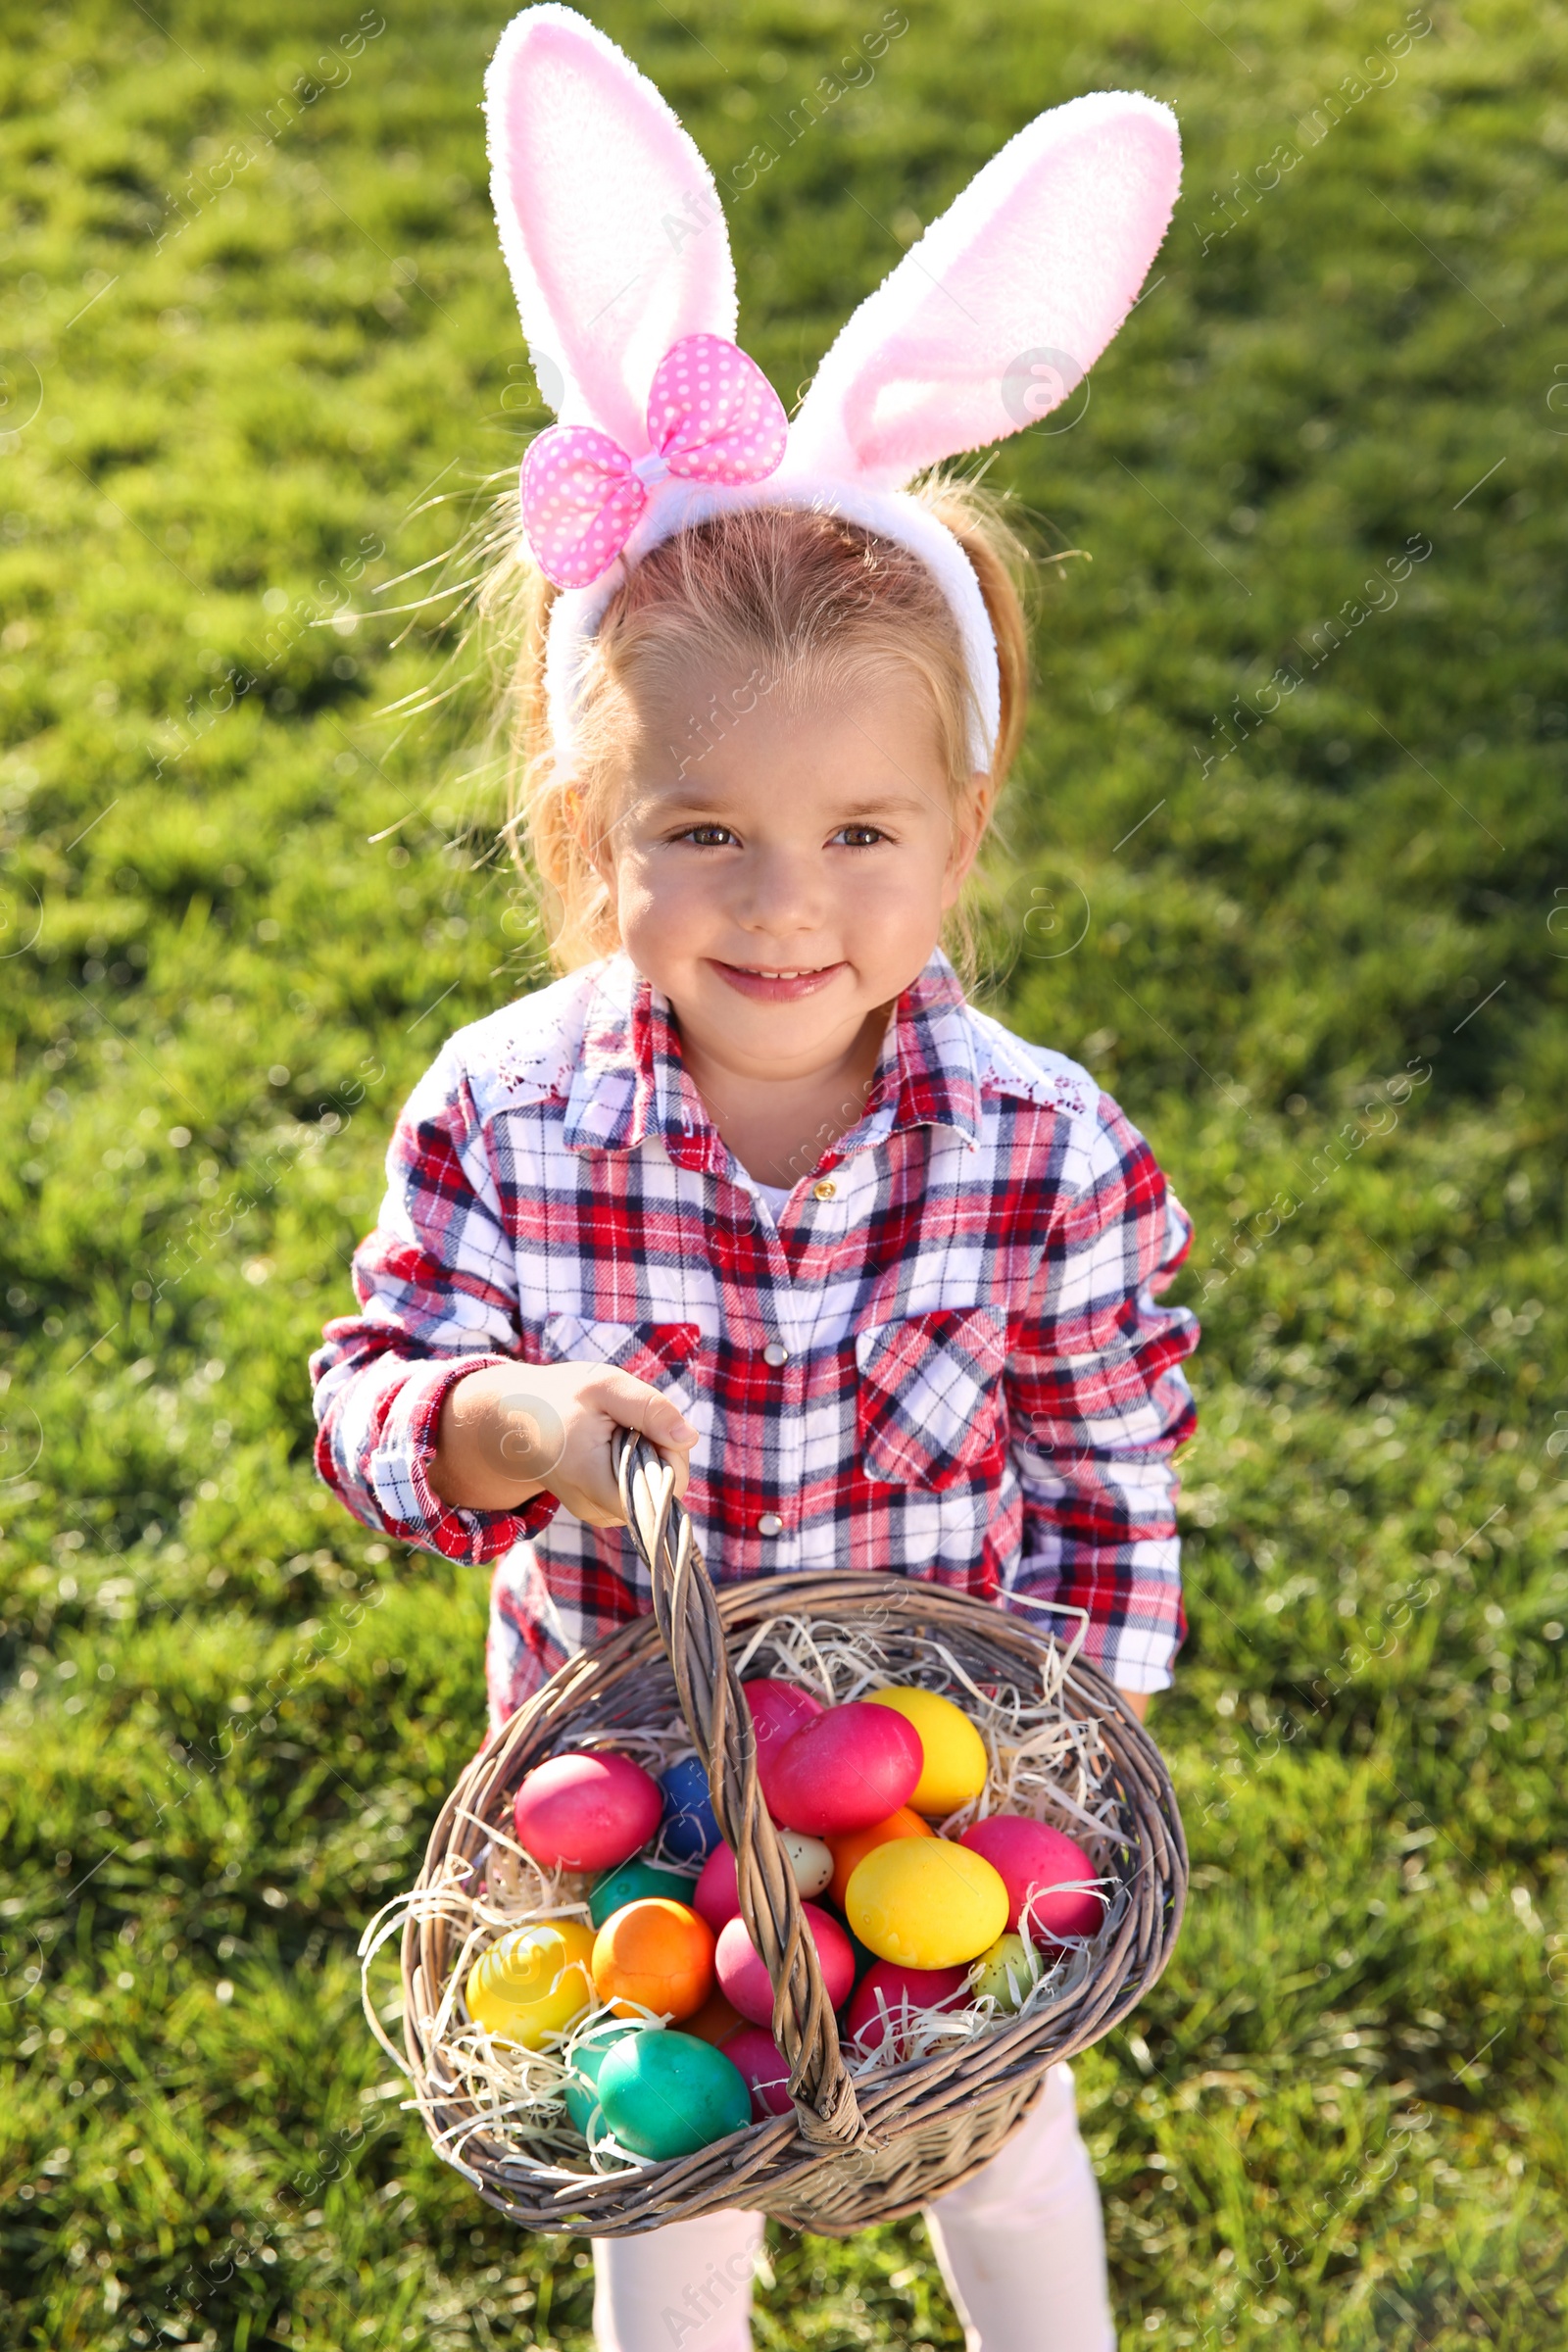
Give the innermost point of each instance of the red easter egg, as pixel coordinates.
(1032, 1860)
(900, 1989)
(756, 2057)
(744, 1980)
(715, 1898)
(851, 1767)
(778, 1709)
(586, 1812)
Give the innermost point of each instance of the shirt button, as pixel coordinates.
(825, 1190)
(775, 1353)
(770, 1524)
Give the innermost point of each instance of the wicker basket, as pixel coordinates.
(852, 2153)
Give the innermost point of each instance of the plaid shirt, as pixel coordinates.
(946, 1357)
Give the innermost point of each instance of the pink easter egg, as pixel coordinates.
(586, 1812)
(715, 1898)
(900, 1989)
(777, 1710)
(744, 1980)
(1033, 1860)
(757, 2058)
(851, 1767)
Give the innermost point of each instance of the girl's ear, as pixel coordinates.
(1005, 303)
(970, 818)
(609, 220)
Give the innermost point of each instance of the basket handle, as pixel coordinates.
(720, 1725)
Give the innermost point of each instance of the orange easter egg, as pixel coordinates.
(856, 1845)
(716, 2021)
(655, 1954)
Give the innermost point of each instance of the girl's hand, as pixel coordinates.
(511, 1432)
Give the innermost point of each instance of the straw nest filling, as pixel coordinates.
(1043, 1760)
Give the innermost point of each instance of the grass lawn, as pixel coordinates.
(1285, 865)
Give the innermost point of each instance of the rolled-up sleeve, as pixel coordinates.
(1098, 1405)
(436, 1291)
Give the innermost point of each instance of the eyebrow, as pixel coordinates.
(721, 812)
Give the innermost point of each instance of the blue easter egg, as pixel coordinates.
(669, 2094)
(689, 1830)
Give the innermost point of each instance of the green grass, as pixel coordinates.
(1327, 976)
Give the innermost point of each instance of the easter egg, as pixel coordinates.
(586, 1812)
(745, 1980)
(656, 1953)
(532, 1984)
(689, 1830)
(887, 1993)
(581, 2091)
(667, 2094)
(857, 1843)
(1037, 1866)
(716, 1898)
(956, 1761)
(777, 1710)
(629, 1883)
(756, 2057)
(849, 1767)
(925, 1901)
(716, 2021)
(1006, 1970)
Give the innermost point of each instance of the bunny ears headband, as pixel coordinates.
(615, 240)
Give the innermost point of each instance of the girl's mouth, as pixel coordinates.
(752, 980)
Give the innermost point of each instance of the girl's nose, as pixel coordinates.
(781, 893)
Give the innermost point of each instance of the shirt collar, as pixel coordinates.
(631, 1083)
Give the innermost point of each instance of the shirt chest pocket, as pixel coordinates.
(929, 1406)
(660, 1353)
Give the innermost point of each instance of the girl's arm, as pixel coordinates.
(430, 1425)
(1098, 1405)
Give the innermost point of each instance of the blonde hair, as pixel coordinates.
(809, 600)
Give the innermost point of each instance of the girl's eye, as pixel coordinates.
(707, 837)
(859, 837)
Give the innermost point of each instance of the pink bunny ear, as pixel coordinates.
(1006, 302)
(609, 221)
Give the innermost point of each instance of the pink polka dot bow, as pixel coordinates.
(713, 417)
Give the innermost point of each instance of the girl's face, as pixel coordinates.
(782, 877)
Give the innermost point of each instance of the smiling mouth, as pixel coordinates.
(783, 981)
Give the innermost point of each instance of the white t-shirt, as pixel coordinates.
(775, 1194)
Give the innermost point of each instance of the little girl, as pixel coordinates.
(876, 1276)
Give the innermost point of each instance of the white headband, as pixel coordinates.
(675, 505)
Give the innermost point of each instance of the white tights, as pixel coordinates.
(1021, 2246)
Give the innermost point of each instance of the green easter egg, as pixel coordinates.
(669, 2094)
(1006, 1970)
(581, 2093)
(631, 1883)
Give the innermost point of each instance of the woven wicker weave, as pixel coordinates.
(852, 2153)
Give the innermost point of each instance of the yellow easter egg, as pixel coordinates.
(533, 1983)
(926, 1902)
(956, 1760)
